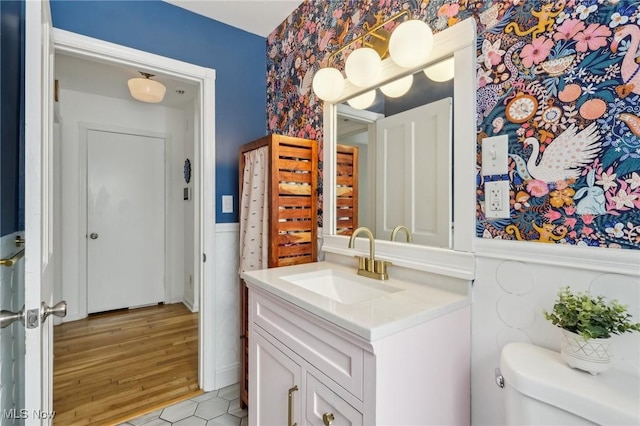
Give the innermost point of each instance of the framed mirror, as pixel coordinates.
(343, 125)
(394, 164)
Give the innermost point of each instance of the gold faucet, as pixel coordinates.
(370, 267)
(398, 228)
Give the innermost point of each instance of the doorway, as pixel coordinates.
(202, 180)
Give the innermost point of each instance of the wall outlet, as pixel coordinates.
(496, 199)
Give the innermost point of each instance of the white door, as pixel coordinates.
(40, 259)
(413, 164)
(125, 220)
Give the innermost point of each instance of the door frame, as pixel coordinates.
(84, 209)
(203, 179)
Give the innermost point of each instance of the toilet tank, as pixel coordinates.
(541, 389)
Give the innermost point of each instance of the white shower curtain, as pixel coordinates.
(254, 223)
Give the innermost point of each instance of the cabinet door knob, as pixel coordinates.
(328, 418)
(290, 408)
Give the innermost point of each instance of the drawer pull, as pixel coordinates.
(291, 391)
(328, 418)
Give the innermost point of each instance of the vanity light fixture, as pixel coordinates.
(441, 71)
(409, 45)
(398, 87)
(363, 101)
(146, 90)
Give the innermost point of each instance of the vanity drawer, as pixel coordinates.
(336, 357)
(324, 406)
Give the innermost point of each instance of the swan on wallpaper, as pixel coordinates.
(564, 157)
(629, 68)
(594, 200)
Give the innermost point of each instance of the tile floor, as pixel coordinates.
(217, 408)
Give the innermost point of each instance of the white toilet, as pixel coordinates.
(541, 389)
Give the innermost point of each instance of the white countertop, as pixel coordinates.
(373, 319)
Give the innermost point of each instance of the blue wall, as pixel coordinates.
(11, 115)
(238, 57)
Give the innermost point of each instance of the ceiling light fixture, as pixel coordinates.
(146, 90)
(409, 45)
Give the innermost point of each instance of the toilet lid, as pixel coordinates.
(611, 397)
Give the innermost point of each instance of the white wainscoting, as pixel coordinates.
(515, 281)
(227, 310)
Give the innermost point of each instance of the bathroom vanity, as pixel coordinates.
(327, 346)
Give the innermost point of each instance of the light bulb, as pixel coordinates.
(364, 100)
(399, 87)
(411, 43)
(363, 67)
(328, 84)
(442, 71)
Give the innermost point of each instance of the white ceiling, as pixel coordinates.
(259, 17)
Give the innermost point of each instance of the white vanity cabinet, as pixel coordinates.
(416, 376)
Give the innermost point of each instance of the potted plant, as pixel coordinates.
(587, 323)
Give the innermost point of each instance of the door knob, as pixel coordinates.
(93, 235)
(59, 310)
(8, 317)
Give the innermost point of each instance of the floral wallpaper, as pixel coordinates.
(560, 78)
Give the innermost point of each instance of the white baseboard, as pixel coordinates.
(227, 376)
(189, 304)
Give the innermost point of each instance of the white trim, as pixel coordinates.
(204, 179)
(617, 261)
(422, 258)
(458, 40)
(228, 376)
(360, 115)
(227, 227)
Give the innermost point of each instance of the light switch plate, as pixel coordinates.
(496, 199)
(227, 204)
(494, 155)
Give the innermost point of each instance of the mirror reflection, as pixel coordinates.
(394, 162)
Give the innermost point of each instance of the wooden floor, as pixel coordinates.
(113, 366)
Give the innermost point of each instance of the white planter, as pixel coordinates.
(592, 355)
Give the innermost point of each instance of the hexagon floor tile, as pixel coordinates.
(217, 408)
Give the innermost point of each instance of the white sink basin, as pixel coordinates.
(341, 287)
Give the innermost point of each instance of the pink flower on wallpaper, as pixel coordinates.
(592, 38)
(561, 184)
(491, 53)
(273, 121)
(537, 188)
(570, 222)
(536, 52)
(570, 210)
(449, 10)
(587, 219)
(587, 230)
(568, 29)
(552, 215)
